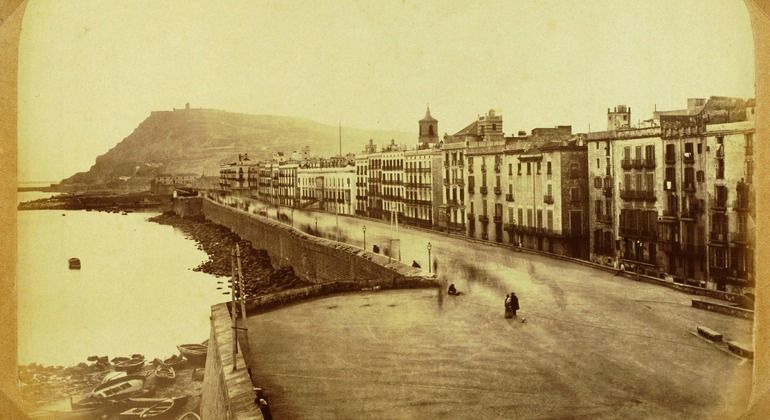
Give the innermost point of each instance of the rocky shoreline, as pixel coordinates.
(217, 241)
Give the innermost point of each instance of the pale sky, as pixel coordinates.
(91, 71)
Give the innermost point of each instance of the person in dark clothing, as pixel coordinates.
(514, 303)
(452, 290)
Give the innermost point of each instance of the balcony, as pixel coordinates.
(688, 158)
(483, 189)
(649, 163)
(741, 238)
(634, 195)
(637, 163)
(741, 205)
(471, 217)
(626, 164)
(471, 189)
(719, 206)
(650, 234)
(718, 238)
(670, 213)
(509, 197)
(498, 219)
(607, 191)
(670, 158)
(484, 218)
(689, 186)
(483, 168)
(498, 190)
(497, 168)
(470, 169)
(548, 199)
(459, 182)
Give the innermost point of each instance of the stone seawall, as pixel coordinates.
(315, 260)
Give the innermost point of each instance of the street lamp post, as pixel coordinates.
(429, 247)
(363, 228)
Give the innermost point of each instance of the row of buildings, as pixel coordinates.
(671, 197)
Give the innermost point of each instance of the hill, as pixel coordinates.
(199, 140)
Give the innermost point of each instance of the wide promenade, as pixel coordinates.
(593, 345)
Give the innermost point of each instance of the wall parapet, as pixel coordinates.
(227, 393)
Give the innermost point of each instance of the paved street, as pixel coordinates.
(593, 345)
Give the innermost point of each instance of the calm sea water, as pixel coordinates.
(135, 293)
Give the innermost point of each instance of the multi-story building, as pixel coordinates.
(731, 221)
(329, 183)
(287, 182)
(392, 180)
(451, 214)
(233, 176)
(362, 184)
(524, 190)
(422, 186)
(650, 191)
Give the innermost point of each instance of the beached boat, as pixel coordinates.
(113, 375)
(165, 373)
(124, 386)
(158, 409)
(190, 415)
(175, 362)
(88, 413)
(74, 264)
(85, 403)
(193, 351)
(127, 404)
(131, 365)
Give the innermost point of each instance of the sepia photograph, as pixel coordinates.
(399, 209)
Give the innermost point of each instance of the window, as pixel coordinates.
(549, 189)
(510, 169)
(720, 168)
(689, 177)
(529, 217)
(538, 168)
(700, 148)
(510, 215)
(638, 182)
(497, 181)
(484, 207)
(627, 153)
(598, 208)
(688, 150)
(597, 182)
(598, 162)
(550, 219)
(649, 153)
(700, 176)
(521, 216)
(638, 151)
(548, 167)
(529, 168)
(539, 218)
(519, 173)
(649, 181)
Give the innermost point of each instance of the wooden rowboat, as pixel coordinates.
(193, 351)
(158, 409)
(165, 373)
(124, 386)
(175, 362)
(131, 365)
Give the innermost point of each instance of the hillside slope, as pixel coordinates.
(199, 140)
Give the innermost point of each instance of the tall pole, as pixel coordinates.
(241, 292)
(364, 229)
(429, 268)
(233, 306)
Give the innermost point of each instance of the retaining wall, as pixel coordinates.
(186, 206)
(315, 260)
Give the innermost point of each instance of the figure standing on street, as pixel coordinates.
(514, 303)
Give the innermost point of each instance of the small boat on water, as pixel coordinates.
(74, 263)
(165, 373)
(193, 351)
(124, 386)
(131, 365)
(160, 408)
